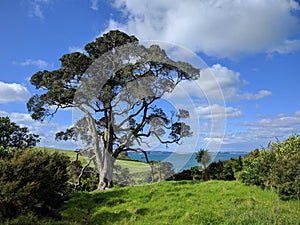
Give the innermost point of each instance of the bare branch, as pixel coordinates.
(81, 174)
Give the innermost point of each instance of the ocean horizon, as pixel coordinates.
(183, 160)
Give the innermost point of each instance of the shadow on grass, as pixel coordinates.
(95, 207)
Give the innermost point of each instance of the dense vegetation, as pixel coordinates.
(32, 182)
(276, 167)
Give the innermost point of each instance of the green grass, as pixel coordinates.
(185, 202)
(133, 166)
(69, 153)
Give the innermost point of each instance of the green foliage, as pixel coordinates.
(14, 136)
(6, 152)
(123, 156)
(161, 170)
(277, 168)
(224, 170)
(32, 182)
(221, 170)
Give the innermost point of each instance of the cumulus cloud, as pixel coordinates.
(38, 63)
(219, 83)
(259, 133)
(276, 123)
(222, 28)
(13, 92)
(216, 111)
(37, 8)
(19, 118)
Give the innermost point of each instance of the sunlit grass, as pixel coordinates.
(133, 166)
(186, 202)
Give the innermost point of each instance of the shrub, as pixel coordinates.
(32, 182)
(277, 168)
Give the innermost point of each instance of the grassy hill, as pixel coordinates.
(133, 166)
(185, 202)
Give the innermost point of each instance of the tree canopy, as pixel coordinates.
(117, 85)
(12, 135)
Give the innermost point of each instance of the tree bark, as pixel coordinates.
(106, 172)
(108, 161)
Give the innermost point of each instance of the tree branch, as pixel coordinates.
(81, 173)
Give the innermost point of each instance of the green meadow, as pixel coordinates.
(183, 202)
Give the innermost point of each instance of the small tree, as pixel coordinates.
(204, 159)
(13, 136)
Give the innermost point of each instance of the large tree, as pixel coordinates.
(117, 85)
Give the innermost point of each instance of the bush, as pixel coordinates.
(277, 168)
(32, 182)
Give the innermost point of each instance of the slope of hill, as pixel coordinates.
(185, 202)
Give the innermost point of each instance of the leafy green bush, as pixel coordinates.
(32, 182)
(276, 167)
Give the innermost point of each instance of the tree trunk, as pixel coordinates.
(106, 172)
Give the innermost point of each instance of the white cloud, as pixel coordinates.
(218, 83)
(3, 114)
(94, 4)
(37, 11)
(76, 49)
(45, 130)
(36, 8)
(18, 118)
(259, 95)
(277, 123)
(21, 117)
(13, 92)
(259, 133)
(222, 28)
(218, 112)
(286, 47)
(38, 63)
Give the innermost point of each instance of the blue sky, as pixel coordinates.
(252, 48)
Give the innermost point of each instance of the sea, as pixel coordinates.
(183, 161)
